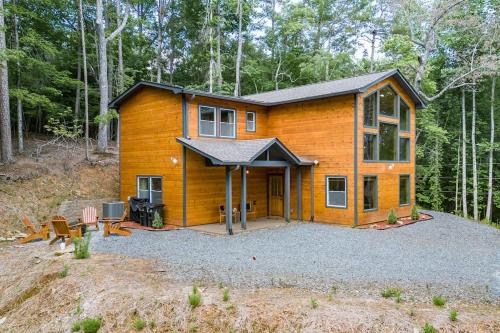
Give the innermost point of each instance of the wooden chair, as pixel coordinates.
(251, 211)
(42, 233)
(63, 230)
(89, 217)
(222, 214)
(113, 225)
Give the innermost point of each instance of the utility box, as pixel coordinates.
(113, 209)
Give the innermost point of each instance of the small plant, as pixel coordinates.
(329, 297)
(428, 328)
(64, 272)
(313, 302)
(76, 326)
(139, 324)
(194, 297)
(225, 295)
(152, 324)
(82, 246)
(192, 327)
(414, 213)
(157, 221)
(453, 315)
(91, 325)
(391, 292)
(392, 218)
(438, 300)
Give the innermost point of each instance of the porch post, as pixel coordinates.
(229, 202)
(243, 210)
(287, 194)
(312, 193)
(299, 194)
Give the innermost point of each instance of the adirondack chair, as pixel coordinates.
(113, 225)
(63, 230)
(90, 217)
(222, 214)
(42, 233)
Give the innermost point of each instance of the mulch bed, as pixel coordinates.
(400, 223)
(135, 225)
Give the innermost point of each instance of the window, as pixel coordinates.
(150, 188)
(404, 116)
(370, 147)
(404, 190)
(388, 136)
(227, 123)
(207, 121)
(404, 149)
(369, 192)
(336, 192)
(251, 121)
(387, 101)
(370, 110)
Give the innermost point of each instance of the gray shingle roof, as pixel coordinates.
(229, 152)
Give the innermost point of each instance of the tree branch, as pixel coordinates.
(120, 28)
(450, 85)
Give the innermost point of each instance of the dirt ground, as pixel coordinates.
(121, 290)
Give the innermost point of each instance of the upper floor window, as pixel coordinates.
(250, 121)
(387, 101)
(336, 192)
(217, 122)
(388, 136)
(370, 110)
(404, 116)
(150, 188)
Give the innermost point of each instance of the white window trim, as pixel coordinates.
(234, 123)
(254, 121)
(150, 186)
(215, 121)
(344, 178)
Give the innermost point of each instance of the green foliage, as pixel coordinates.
(392, 218)
(313, 302)
(438, 300)
(91, 325)
(194, 298)
(428, 328)
(82, 246)
(414, 213)
(157, 221)
(391, 293)
(64, 272)
(225, 295)
(76, 326)
(453, 315)
(139, 324)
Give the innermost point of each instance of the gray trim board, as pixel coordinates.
(312, 192)
(228, 209)
(356, 159)
(184, 186)
(243, 203)
(287, 193)
(299, 193)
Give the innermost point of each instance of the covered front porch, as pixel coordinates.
(264, 166)
(260, 223)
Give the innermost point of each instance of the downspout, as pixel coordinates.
(356, 159)
(185, 134)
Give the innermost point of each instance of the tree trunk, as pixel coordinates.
(372, 54)
(457, 175)
(20, 139)
(85, 82)
(474, 157)
(121, 71)
(237, 88)
(79, 79)
(219, 61)
(102, 135)
(490, 156)
(5, 133)
(210, 41)
(464, 157)
(161, 13)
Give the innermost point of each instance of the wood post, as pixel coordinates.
(229, 202)
(243, 210)
(312, 193)
(287, 194)
(299, 194)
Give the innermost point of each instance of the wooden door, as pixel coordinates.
(276, 195)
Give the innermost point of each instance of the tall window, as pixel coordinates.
(250, 121)
(208, 125)
(227, 123)
(370, 110)
(369, 192)
(404, 190)
(388, 136)
(404, 116)
(336, 192)
(369, 147)
(404, 149)
(150, 188)
(387, 101)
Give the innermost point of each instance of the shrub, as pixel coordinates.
(314, 303)
(392, 218)
(414, 213)
(225, 295)
(453, 315)
(157, 221)
(428, 328)
(64, 272)
(91, 325)
(139, 324)
(194, 297)
(391, 292)
(82, 246)
(76, 326)
(438, 300)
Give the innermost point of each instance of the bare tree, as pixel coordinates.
(85, 80)
(237, 88)
(464, 156)
(219, 60)
(211, 47)
(162, 4)
(121, 71)
(102, 140)
(490, 155)
(4, 96)
(20, 141)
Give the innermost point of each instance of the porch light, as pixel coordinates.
(173, 159)
(316, 162)
(391, 166)
(248, 171)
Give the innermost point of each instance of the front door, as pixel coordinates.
(276, 195)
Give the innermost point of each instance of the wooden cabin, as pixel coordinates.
(340, 151)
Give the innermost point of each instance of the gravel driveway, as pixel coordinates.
(447, 255)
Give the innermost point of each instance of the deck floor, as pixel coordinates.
(252, 225)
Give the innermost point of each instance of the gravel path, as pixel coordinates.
(447, 255)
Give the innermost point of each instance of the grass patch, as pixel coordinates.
(391, 292)
(64, 272)
(225, 295)
(438, 300)
(194, 297)
(453, 315)
(76, 326)
(82, 246)
(428, 328)
(91, 325)
(314, 303)
(139, 324)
